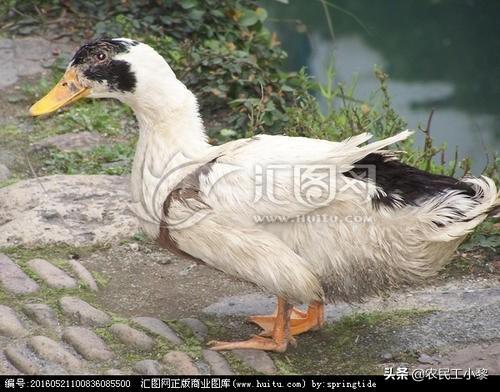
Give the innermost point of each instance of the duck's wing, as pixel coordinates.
(286, 176)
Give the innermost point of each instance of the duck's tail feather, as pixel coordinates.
(349, 151)
(455, 213)
(486, 197)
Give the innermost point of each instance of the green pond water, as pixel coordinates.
(440, 54)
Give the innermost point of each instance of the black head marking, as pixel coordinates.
(110, 46)
(116, 73)
(95, 60)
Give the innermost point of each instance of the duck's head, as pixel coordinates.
(118, 68)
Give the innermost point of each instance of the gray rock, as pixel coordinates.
(6, 368)
(474, 356)
(92, 209)
(53, 276)
(218, 364)
(6, 43)
(134, 247)
(243, 305)
(459, 326)
(387, 356)
(6, 155)
(157, 327)
(114, 372)
(4, 172)
(29, 53)
(42, 314)
(54, 352)
(8, 74)
(147, 367)
(13, 279)
(83, 312)
(199, 329)
(87, 343)
(29, 67)
(21, 361)
(83, 274)
(50, 214)
(427, 359)
(132, 337)
(181, 363)
(257, 360)
(72, 141)
(203, 367)
(10, 325)
(26, 56)
(116, 164)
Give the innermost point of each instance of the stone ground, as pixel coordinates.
(82, 293)
(79, 209)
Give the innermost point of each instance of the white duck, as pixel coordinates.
(297, 217)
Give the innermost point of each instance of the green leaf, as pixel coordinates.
(187, 4)
(197, 14)
(249, 18)
(261, 14)
(286, 88)
(226, 132)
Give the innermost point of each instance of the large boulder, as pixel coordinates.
(4, 172)
(27, 56)
(76, 210)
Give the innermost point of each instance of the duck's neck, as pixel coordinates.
(171, 132)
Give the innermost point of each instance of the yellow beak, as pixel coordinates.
(68, 90)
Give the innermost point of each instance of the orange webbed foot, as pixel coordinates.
(280, 335)
(255, 342)
(300, 321)
(267, 322)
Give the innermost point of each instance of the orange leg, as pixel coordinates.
(267, 322)
(300, 322)
(280, 336)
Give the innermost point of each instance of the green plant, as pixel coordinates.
(114, 159)
(485, 236)
(108, 118)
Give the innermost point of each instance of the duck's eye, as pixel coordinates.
(101, 56)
